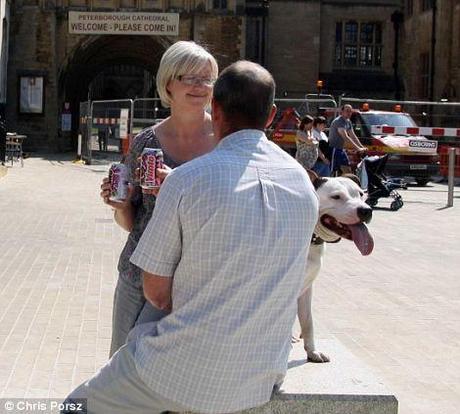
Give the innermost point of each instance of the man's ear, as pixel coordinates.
(216, 112)
(218, 119)
(271, 116)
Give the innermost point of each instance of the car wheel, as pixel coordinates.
(396, 205)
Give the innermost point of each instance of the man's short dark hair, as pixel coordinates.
(245, 91)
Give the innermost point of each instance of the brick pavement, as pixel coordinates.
(398, 310)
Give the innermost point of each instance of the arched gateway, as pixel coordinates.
(96, 66)
(65, 52)
(109, 68)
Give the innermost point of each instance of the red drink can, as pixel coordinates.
(118, 176)
(151, 159)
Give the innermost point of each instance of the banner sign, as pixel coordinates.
(423, 145)
(124, 118)
(66, 122)
(152, 24)
(31, 94)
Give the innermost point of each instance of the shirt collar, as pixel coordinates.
(251, 135)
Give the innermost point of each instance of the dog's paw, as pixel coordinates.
(317, 356)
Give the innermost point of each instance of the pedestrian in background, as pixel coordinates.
(307, 146)
(226, 250)
(322, 164)
(184, 82)
(341, 133)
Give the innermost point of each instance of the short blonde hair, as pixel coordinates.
(182, 58)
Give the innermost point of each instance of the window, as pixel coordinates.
(426, 5)
(358, 44)
(219, 4)
(409, 7)
(254, 39)
(424, 75)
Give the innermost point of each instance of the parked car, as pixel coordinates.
(409, 156)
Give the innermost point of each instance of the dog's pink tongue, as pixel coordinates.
(362, 238)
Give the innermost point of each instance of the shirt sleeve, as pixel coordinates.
(342, 123)
(160, 246)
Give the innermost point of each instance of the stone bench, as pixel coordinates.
(343, 386)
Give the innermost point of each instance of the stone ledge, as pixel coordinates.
(345, 385)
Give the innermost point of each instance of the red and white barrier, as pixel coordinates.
(106, 121)
(416, 131)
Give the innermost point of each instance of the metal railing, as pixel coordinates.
(425, 113)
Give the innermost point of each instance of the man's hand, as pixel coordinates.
(161, 174)
(157, 290)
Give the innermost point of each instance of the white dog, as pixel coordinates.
(342, 214)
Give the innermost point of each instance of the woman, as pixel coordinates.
(307, 147)
(184, 82)
(322, 165)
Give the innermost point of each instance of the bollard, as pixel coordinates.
(79, 147)
(79, 159)
(450, 178)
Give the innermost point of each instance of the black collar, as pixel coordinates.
(315, 239)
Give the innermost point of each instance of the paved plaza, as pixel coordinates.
(397, 310)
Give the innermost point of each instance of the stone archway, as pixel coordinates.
(93, 54)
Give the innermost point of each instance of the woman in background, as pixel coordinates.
(322, 165)
(307, 147)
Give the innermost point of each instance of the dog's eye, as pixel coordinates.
(335, 197)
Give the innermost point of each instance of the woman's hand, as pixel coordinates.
(117, 205)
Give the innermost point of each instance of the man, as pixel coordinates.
(340, 133)
(225, 251)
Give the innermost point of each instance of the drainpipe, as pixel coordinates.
(433, 49)
(397, 18)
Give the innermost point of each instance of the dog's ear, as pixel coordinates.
(316, 179)
(313, 176)
(353, 177)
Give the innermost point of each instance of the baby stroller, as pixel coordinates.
(370, 171)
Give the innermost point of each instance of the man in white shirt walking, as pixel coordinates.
(225, 252)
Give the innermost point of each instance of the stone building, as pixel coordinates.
(350, 45)
(431, 45)
(63, 52)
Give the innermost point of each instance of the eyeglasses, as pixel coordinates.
(193, 80)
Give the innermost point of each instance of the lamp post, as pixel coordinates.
(397, 18)
(265, 6)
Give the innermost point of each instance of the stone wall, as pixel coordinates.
(417, 41)
(293, 52)
(301, 44)
(41, 46)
